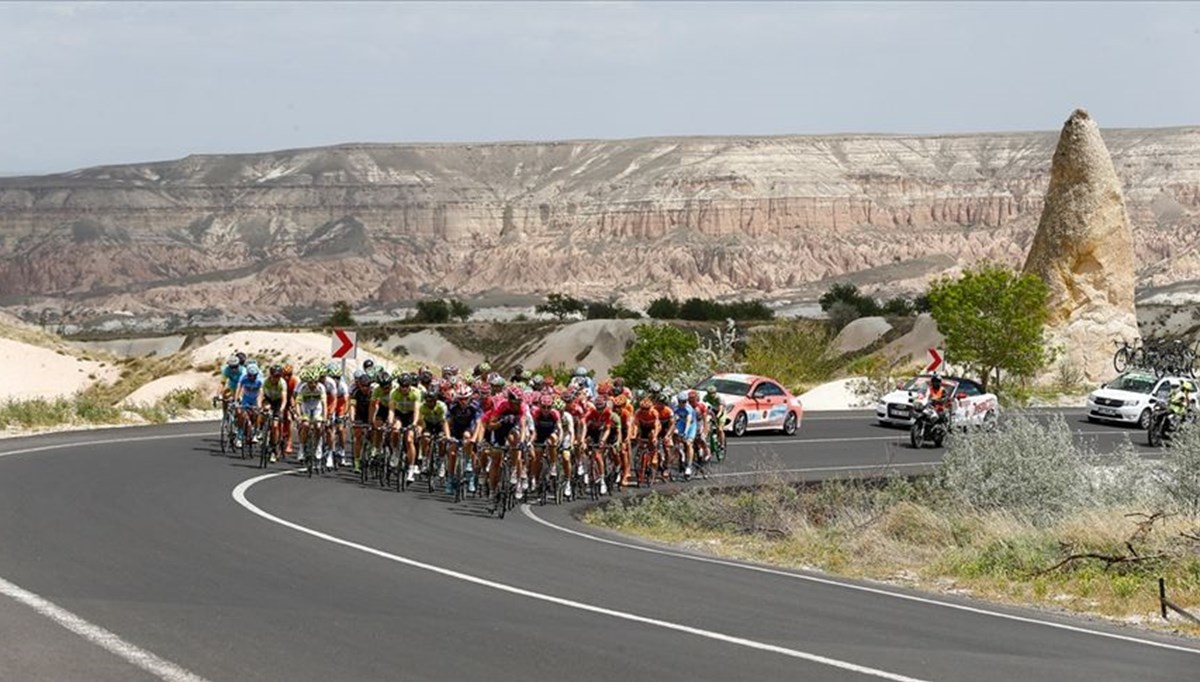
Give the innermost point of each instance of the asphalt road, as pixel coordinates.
(195, 567)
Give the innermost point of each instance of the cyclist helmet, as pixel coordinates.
(233, 361)
(252, 369)
(384, 378)
(463, 393)
(619, 400)
(360, 375)
(426, 376)
(693, 396)
(406, 380)
(581, 371)
(646, 404)
(368, 365)
(497, 382)
(604, 388)
(276, 370)
(431, 397)
(516, 395)
(711, 390)
(241, 357)
(546, 400)
(682, 397)
(333, 368)
(559, 404)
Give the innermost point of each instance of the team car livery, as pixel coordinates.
(1126, 399)
(972, 406)
(754, 403)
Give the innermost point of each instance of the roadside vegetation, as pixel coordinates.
(1024, 516)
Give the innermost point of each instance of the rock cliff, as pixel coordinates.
(1083, 250)
(382, 224)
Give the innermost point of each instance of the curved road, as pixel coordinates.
(170, 561)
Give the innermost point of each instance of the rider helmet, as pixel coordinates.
(241, 357)
(682, 398)
(431, 397)
(546, 400)
(233, 361)
(693, 396)
(287, 370)
(384, 378)
(406, 380)
(360, 375)
(516, 395)
(581, 371)
(276, 370)
(463, 393)
(646, 403)
(252, 369)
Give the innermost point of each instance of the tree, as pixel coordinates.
(993, 318)
(433, 310)
(664, 308)
(848, 293)
(899, 306)
(560, 306)
(599, 310)
(921, 303)
(841, 314)
(460, 310)
(341, 316)
(660, 352)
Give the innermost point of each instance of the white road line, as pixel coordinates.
(860, 588)
(900, 435)
(161, 668)
(108, 441)
(239, 495)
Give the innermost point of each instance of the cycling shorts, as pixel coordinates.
(276, 404)
(339, 407)
(405, 419)
(312, 411)
(248, 401)
(645, 430)
(542, 434)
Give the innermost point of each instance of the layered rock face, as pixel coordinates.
(383, 224)
(1083, 250)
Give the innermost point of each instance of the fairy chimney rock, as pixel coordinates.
(1083, 250)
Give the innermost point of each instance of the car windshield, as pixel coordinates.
(1134, 383)
(726, 386)
(921, 385)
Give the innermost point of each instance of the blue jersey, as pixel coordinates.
(685, 420)
(233, 376)
(251, 386)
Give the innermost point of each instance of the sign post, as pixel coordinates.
(344, 346)
(937, 361)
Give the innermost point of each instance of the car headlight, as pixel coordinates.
(1131, 403)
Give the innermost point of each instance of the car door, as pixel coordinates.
(971, 400)
(772, 404)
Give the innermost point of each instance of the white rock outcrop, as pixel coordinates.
(1083, 250)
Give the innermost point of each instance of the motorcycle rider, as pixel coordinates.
(938, 396)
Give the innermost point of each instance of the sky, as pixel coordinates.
(104, 83)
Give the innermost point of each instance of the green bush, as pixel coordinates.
(659, 352)
(795, 353)
(599, 310)
(847, 293)
(664, 308)
(433, 311)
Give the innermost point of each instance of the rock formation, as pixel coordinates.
(211, 238)
(1083, 250)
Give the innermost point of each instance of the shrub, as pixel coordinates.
(1024, 467)
(340, 317)
(794, 353)
(561, 306)
(434, 311)
(659, 352)
(664, 308)
(842, 314)
(599, 310)
(1179, 475)
(847, 293)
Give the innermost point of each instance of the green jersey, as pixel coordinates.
(432, 415)
(405, 401)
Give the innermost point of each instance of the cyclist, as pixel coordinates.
(465, 426)
(336, 392)
(231, 376)
(310, 408)
(685, 428)
(249, 403)
(666, 428)
(360, 412)
(716, 413)
(547, 424)
(700, 442)
(380, 409)
(403, 402)
(289, 407)
(518, 374)
(584, 381)
(601, 429)
(646, 425)
(566, 439)
(622, 411)
(507, 423)
(275, 394)
(431, 419)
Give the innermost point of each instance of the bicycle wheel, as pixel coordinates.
(1121, 359)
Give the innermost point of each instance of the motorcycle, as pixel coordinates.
(1164, 423)
(928, 425)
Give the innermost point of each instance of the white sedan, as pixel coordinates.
(1126, 399)
(972, 405)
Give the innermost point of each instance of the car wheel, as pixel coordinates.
(789, 424)
(989, 421)
(1092, 420)
(739, 424)
(1144, 420)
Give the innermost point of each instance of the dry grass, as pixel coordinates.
(895, 533)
